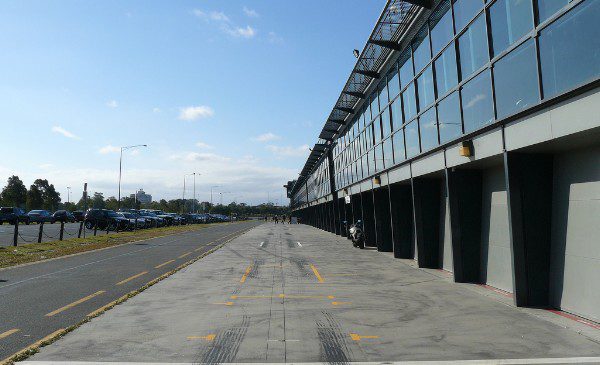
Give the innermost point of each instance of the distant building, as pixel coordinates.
(142, 197)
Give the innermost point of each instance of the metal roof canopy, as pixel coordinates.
(384, 39)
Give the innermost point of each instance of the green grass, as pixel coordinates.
(11, 256)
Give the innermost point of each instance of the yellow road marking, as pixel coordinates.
(8, 333)
(207, 337)
(330, 297)
(203, 247)
(243, 279)
(340, 303)
(225, 303)
(163, 264)
(356, 337)
(314, 269)
(33, 346)
(77, 302)
(185, 254)
(131, 278)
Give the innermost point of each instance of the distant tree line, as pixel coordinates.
(42, 195)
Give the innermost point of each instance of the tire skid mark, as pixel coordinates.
(333, 345)
(226, 345)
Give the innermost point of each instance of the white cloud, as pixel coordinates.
(109, 149)
(64, 132)
(197, 157)
(212, 15)
(156, 110)
(46, 166)
(289, 151)
(204, 145)
(196, 112)
(112, 104)
(266, 137)
(251, 13)
(240, 32)
(275, 38)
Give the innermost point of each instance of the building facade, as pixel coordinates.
(142, 197)
(468, 138)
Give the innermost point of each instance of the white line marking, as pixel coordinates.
(261, 244)
(299, 244)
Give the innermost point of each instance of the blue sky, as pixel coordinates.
(233, 90)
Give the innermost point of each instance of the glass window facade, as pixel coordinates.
(477, 103)
(473, 47)
(442, 29)
(560, 55)
(510, 20)
(570, 49)
(446, 75)
(516, 81)
(449, 120)
(428, 130)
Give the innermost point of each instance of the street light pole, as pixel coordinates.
(211, 194)
(121, 167)
(68, 194)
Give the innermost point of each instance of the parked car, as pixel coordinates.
(176, 219)
(105, 219)
(12, 215)
(154, 220)
(63, 216)
(39, 216)
(168, 219)
(79, 215)
(134, 219)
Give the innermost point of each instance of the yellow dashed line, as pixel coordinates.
(243, 279)
(8, 333)
(163, 264)
(207, 337)
(314, 269)
(131, 278)
(185, 254)
(77, 302)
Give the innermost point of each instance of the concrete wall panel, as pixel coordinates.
(428, 164)
(399, 174)
(486, 145)
(446, 232)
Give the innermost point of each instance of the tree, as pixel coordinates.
(35, 199)
(70, 206)
(50, 197)
(130, 203)
(111, 203)
(14, 193)
(97, 201)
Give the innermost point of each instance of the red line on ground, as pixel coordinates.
(575, 318)
(499, 291)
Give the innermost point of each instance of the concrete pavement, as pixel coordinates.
(293, 293)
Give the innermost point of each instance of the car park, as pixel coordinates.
(41, 216)
(105, 219)
(12, 215)
(79, 215)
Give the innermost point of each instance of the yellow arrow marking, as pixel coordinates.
(340, 303)
(207, 337)
(356, 337)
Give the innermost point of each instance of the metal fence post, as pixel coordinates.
(16, 235)
(135, 225)
(80, 229)
(95, 227)
(62, 230)
(41, 231)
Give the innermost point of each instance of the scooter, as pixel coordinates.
(357, 235)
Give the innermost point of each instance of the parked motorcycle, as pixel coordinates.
(357, 235)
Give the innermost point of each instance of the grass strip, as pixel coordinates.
(33, 252)
(34, 348)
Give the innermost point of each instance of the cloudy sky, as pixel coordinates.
(235, 91)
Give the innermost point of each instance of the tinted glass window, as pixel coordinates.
(398, 139)
(449, 118)
(409, 102)
(396, 109)
(428, 129)
(386, 128)
(383, 95)
(446, 76)
(421, 52)
(510, 20)
(515, 80)
(570, 49)
(425, 87)
(477, 102)
(547, 8)
(406, 69)
(374, 106)
(464, 11)
(365, 166)
(393, 84)
(388, 153)
(377, 130)
(473, 47)
(442, 29)
(378, 158)
(411, 132)
(371, 157)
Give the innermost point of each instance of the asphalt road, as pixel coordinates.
(29, 233)
(39, 299)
